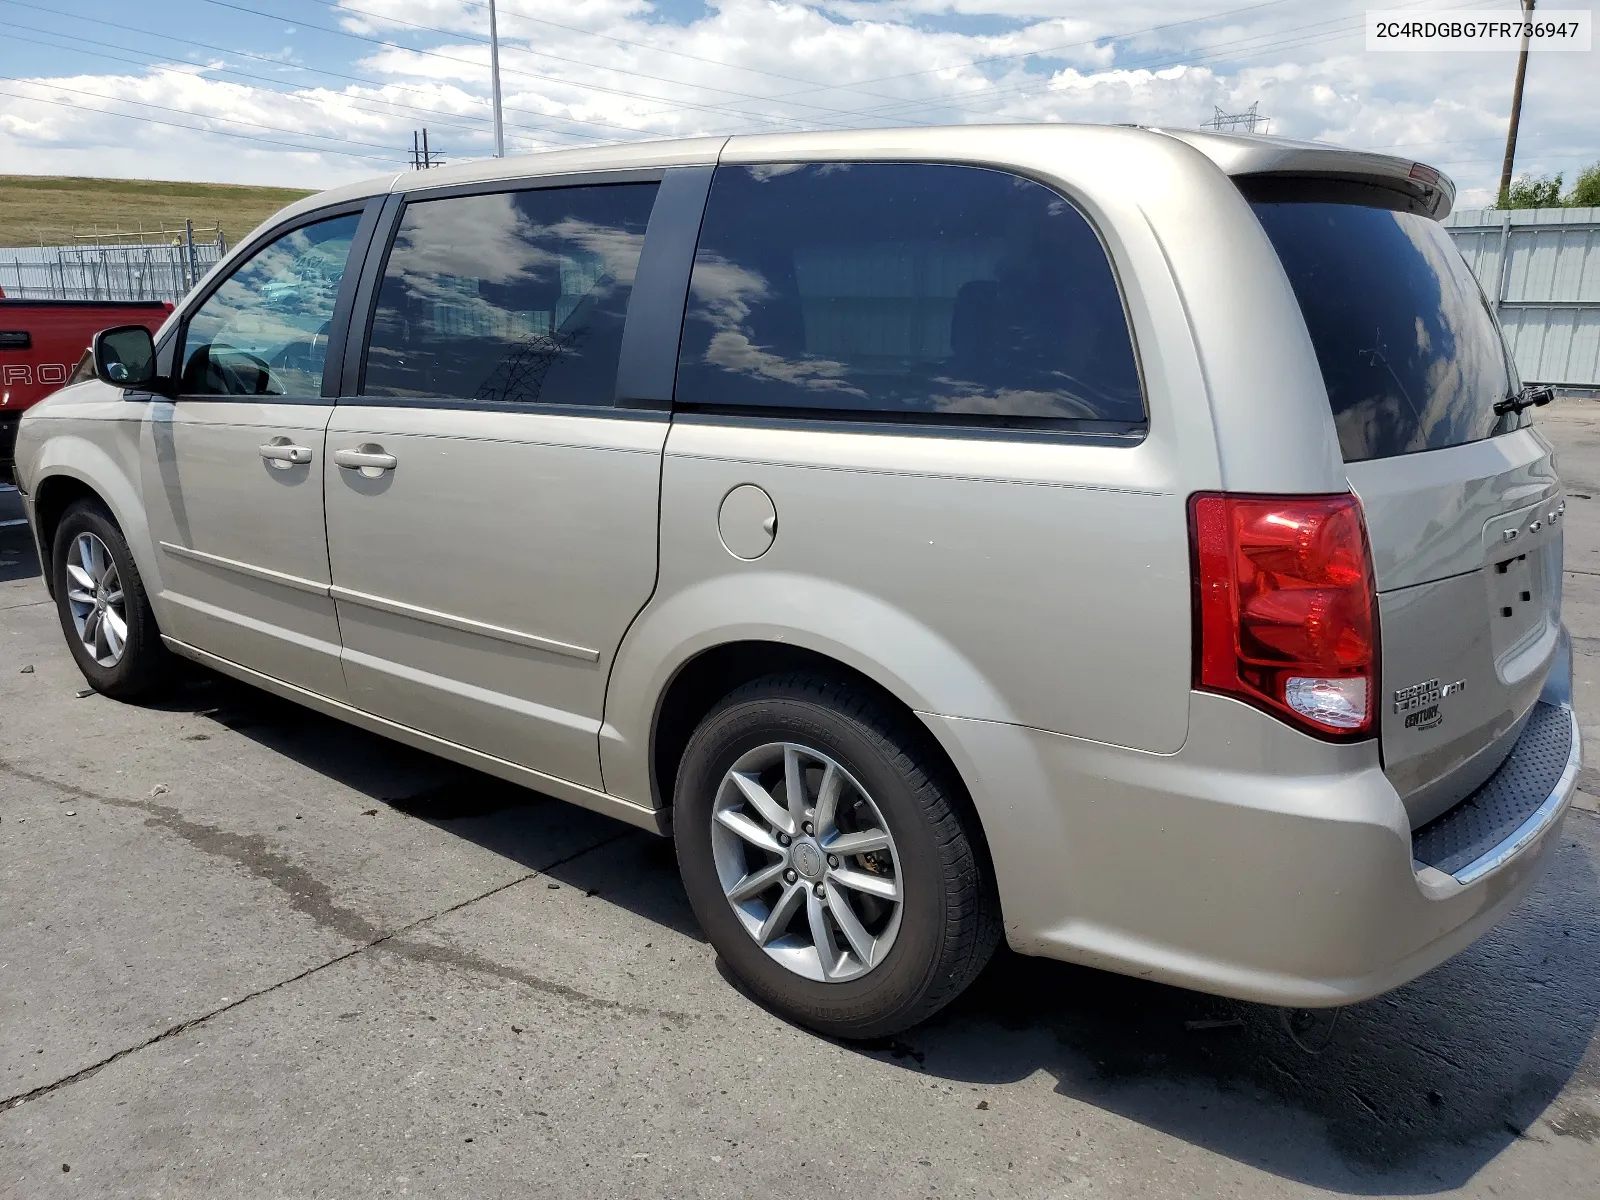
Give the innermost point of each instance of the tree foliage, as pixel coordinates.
(1585, 192)
(1534, 191)
(1544, 191)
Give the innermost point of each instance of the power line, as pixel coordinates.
(73, 91)
(715, 62)
(1188, 58)
(1196, 57)
(342, 6)
(246, 54)
(334, 74)
(339, 6)
(211, 71)
(881, 111)
(196, 129)
(565, 82)
(1252, 44)
(1051, 51)
(463, 36)
(720, 110)
(1488, 137)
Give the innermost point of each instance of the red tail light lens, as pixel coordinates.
(1285, 608)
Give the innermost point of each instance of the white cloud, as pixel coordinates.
(748, 65)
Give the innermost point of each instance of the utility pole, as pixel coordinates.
(494, 81)
(422, 158)
(1516, 109)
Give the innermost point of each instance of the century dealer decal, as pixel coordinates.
(1420, 702)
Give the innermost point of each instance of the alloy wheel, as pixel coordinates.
(94, 594)
(807, 862)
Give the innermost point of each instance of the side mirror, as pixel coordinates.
(125, 357)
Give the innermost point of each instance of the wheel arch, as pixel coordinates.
(70, 467)
(701, 681)
(789, 617)
(704, 679)
(52, 496)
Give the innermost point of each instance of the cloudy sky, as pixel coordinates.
(310, 93)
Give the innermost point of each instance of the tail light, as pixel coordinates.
(1285, 608)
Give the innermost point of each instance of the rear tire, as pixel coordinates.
(926, 918)
(101, 602)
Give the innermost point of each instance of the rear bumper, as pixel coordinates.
(1513, 808)
(1255, 862)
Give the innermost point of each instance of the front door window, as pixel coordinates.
(264, 332)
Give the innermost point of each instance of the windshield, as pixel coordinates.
(1411, 354)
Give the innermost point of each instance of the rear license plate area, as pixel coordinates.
(1518, 547)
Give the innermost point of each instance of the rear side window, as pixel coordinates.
(905, 290)
(510, 297)
(1411, 354)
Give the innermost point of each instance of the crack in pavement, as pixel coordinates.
(445, 954)
(11, 1103)
(313, 898)
(307, 894)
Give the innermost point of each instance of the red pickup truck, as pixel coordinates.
(41, 343)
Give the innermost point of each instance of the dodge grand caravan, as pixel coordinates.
(1131, 543)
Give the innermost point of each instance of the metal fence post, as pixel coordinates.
(188, 241)
(1505, 261)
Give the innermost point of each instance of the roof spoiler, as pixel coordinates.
(1426, 189)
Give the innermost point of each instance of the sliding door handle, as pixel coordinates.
(283, 453)
(364, 458)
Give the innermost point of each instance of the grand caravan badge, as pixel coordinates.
(1420, 702)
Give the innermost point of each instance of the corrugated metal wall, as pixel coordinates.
(1546, 289)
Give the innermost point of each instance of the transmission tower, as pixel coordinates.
(1249, 121)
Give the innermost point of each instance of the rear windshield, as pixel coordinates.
(1412, 356)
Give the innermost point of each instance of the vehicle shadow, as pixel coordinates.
(638, 870)
(17, 557)
(1411, 1093)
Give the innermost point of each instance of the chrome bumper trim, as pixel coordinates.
(1538, 820)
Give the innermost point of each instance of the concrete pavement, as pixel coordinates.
(247, 951)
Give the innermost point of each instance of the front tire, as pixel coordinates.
(101, 602)
(831, 858)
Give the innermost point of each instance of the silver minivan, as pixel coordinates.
(1130, 543)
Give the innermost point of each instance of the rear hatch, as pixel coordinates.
(1462, 502)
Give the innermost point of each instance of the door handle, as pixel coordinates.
(285, 452)
(358, 460)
